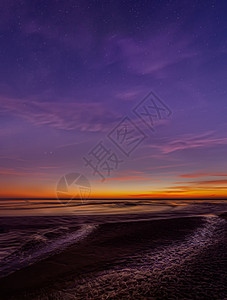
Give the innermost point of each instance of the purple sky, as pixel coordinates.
(71, 70)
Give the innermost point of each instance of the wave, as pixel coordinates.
(40, 246)
(157, 271)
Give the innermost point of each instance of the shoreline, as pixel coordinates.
(97, 252)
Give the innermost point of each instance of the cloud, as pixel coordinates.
(198, 175)
(200, 185)
(210, 182)
(11, 158)
(130, 178)
(190, 141)
(130, 95)
(22, 172)
(152, 54)
(67, 116)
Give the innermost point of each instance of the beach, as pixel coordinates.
(113, 166)
(164, 258)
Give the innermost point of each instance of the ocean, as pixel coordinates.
(173, 251)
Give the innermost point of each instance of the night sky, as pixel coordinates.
(71, 71)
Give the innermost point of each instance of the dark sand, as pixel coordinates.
(101, 266)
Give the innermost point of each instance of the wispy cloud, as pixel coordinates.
(66, 116)
(209, 182)
(190, 141)
(198, 175)
(153, 54)
(21, 172)
(130, 178)
(200, 185)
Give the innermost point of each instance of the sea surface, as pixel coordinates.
(24, 239)
(30, 237)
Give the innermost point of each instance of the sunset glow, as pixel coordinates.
(64, 89)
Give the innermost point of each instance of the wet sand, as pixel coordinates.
(113, 262)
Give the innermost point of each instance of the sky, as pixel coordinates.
(80, 83)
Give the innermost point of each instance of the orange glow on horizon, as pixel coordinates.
(39, 193)
(131, 186)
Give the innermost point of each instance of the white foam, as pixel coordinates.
(46, 249)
